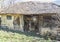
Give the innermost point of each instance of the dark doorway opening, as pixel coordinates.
(31, 23)
(16, 23)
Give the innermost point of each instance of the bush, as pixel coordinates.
(48, 33)
(44, 31)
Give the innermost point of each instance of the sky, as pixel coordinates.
(38, 0)
(7, 2)
(55, 1)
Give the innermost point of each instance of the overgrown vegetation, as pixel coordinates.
(47, 33)
(17, 37)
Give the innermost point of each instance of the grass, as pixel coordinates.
(19, 37)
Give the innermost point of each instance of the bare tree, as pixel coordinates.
(11, 2)
(5, 3)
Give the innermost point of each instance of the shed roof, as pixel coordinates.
(32, 8)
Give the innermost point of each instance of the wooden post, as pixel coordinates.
(40, 23)
(21, 23)
(30, 25)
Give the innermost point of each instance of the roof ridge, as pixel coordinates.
(39, 2)
(56, 4)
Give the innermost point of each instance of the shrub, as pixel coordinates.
(44, 31)
(48, 33)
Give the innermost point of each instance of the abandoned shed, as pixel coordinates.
(30, 16)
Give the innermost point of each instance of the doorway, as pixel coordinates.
(31, 23)
(16, 23)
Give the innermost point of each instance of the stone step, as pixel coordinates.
(58, 39)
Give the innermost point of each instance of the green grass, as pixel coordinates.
(17, 37)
